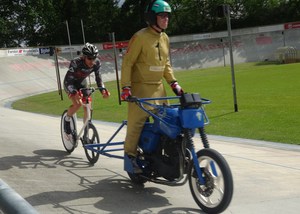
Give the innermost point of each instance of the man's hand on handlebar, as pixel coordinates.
(126, 93)
(176, 88)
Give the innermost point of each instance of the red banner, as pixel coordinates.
(119, 45)
(263, 40)
(291, 25)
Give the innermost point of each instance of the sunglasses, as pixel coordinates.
(91, 58)
(163, 15)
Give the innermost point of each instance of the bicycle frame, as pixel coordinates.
(85, 124)
(88, 107)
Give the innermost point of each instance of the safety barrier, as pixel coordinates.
(12, 203)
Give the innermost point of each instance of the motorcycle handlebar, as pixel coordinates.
(143, 100)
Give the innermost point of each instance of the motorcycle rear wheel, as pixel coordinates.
(215, 195)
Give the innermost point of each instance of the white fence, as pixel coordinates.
(193, 51)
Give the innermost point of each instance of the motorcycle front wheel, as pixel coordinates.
(215, 195)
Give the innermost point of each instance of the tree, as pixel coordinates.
(130, 18)
(10, 28)
(43, 22)
(194, 16)
(97, 17)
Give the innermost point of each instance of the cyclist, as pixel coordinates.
(144, 66)
(80, 68)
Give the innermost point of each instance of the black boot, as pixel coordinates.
(136, 168)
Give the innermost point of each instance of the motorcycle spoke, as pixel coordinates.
(212, 192)
(217, 184)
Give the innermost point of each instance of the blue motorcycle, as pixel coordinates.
(167, 155)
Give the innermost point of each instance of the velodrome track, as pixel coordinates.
(33, 162)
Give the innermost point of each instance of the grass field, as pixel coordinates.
(268, 98)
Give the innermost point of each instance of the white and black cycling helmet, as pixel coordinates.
(90, 50)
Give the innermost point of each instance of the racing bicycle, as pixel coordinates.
(87, 134)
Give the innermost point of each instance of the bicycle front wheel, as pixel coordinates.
(91, 137)
(68, 140)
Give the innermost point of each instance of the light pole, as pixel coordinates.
(67, 25)
(226, 11)
(112, 38)
(82, 29)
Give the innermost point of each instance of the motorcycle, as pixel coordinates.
(167, 154)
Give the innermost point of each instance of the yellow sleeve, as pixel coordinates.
(168, 72)
(133, 51)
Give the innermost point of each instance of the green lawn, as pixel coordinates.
(268, 97)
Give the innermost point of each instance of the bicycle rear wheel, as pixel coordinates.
(91, 136)
(69, 141)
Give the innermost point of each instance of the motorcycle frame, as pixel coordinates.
(107, 150)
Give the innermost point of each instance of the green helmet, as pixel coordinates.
(155, 7)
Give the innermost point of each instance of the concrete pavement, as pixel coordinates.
(34, 163)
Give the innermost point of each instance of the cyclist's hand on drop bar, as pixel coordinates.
(105, 93)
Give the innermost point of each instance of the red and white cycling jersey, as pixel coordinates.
(76, 75)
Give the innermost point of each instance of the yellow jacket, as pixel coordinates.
(146, 61)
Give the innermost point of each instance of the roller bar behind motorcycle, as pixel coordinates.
(167, 154)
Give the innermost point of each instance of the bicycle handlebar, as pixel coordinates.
(88, 91)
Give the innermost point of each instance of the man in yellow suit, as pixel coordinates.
(144, 66)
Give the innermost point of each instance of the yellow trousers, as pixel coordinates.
(137, 117)
(135, 124)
